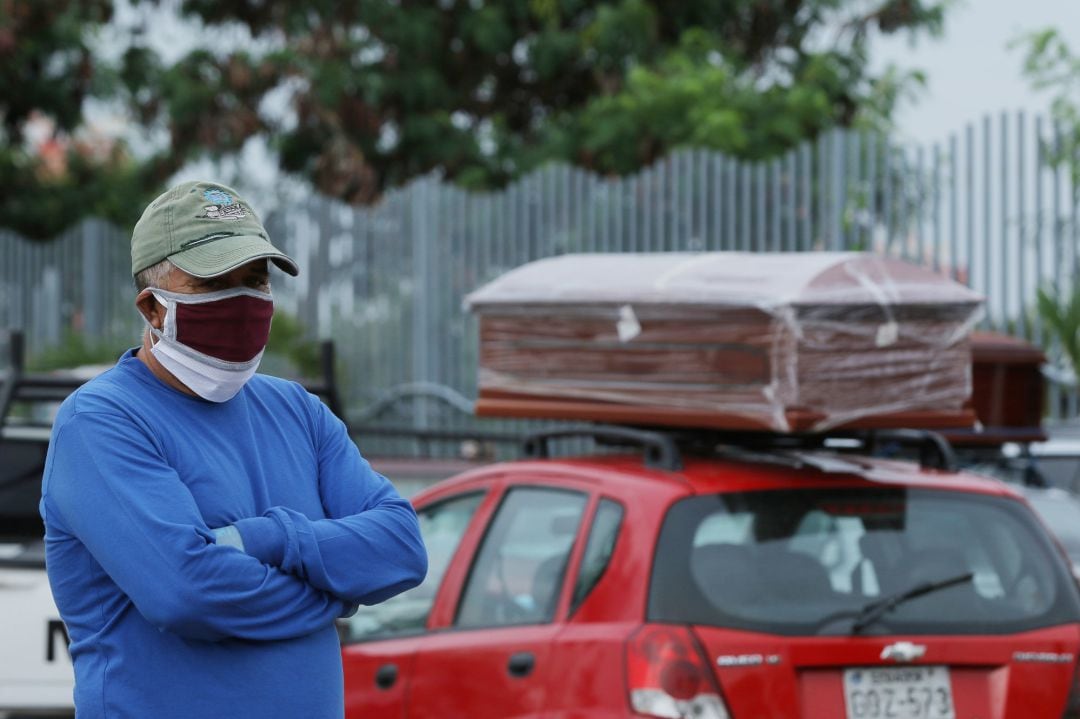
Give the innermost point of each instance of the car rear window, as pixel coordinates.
(805, 562)
(598, 550)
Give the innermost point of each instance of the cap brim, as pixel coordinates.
(226, 254)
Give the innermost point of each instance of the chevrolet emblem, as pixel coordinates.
(903, 652)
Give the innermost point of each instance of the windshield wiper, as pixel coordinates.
(878, 608)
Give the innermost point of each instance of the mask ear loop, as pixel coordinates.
(169, 323)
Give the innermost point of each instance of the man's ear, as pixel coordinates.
(151, 309)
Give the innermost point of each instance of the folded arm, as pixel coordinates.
(367, 550)
(108, 486)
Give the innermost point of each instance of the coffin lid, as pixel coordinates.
(756, 279)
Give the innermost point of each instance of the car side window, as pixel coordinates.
(441, 525)
(517, 573)
(598, 549)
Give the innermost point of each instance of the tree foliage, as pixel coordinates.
(48, 71)
(357, 97)
(1051, 65)
(1060, 311)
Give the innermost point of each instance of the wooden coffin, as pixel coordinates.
(1008, 392)
(782, 342)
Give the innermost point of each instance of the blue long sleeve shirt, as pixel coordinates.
(163, 621)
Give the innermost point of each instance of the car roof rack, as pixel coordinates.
(933, 450)
(664, 448)
(18, 385)
(661, 450)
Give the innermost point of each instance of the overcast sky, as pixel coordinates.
(970, 70)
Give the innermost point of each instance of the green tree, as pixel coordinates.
(383, 91)
(357, 97)
(53, 171)
(1060, 312)
(1052, 66)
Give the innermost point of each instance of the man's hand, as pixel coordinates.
(229, 537)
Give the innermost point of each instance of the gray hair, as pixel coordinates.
(154, 275)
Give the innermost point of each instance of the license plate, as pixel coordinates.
(898, 693)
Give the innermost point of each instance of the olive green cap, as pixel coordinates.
(205, 229)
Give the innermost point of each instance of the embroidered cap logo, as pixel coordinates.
(224, 207)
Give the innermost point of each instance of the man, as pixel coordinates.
(205, 526)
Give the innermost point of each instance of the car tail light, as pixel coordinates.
(1072, 704)
(669, 676)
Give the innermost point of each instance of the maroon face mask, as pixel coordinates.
(231, 325)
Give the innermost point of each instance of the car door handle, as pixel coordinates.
(386, 675)
(521, 664)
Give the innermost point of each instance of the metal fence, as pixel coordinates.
(988, 206)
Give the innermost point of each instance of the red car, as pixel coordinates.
(712, 580)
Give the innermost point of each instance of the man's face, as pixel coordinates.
(255, 275)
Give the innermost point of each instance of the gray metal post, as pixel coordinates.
(988, 239)
(1021, 233)
(954, 191)
(93, 289)
(969, 187)
(1004, 256)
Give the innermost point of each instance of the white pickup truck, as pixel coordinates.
(36, 674)
(35, 667)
